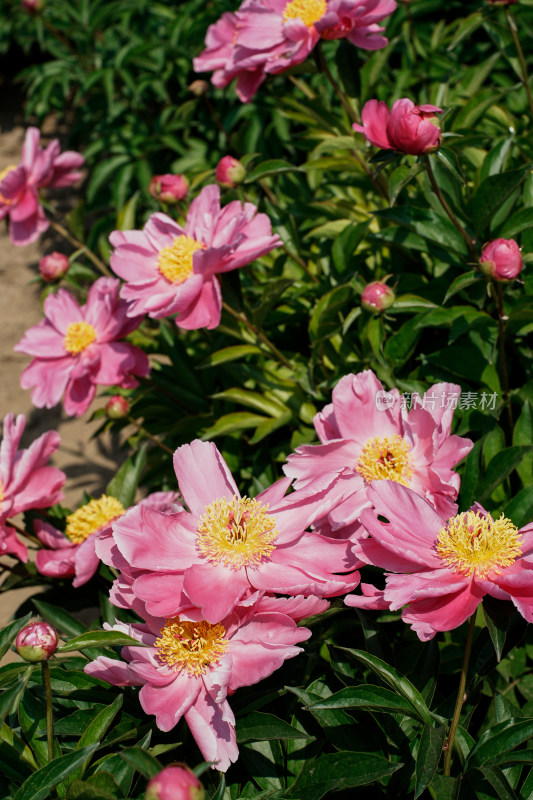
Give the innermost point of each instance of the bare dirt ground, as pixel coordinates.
(88, 464)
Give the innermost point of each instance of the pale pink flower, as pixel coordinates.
(19, 185)
(501, 259)
(367, 433)
(406, 127)
(193, 680)
(225, 546)
(76, 348)
(172, 270)
(74, 552)
(444, 566)
(26, 480)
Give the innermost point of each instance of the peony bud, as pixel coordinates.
(198, 87)
(406, 127)
(501, 260)
(32, 6)
(377, 297)
(175, 783)
(117, 407)
(169, 188)
(36, 642)
(53, 266)
(230, 172)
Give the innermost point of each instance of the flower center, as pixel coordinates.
(237, 533)
(92, 517)
(309, 11)
(193, 646)
(477, 545)
(386, 457)
(79, 335)
(175, 262)
(3, 174)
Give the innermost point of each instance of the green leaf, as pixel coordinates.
(520, 221)
(273, 167)
(19, 747)
(520, 508)
(9, 633)
(10, 698)
(124, 485)
(490, 195)
(499, 740)
(460, 283)
(367, 696)
(398, 682)
(399, 179)
(345, 244)
(60, 618)
(326, 316)
(337, 771)
(97, 730)
(428, 756)
(99, 639)
(126, 215)
(266, 726)
(102, 173)
(446, 788)
(91, 790)
(499, 782)
(253, 400)
(497, 619)
(228, 354)
(229, 423)
(523, 435)
(142, 761)
(39, 785)
(499, 468)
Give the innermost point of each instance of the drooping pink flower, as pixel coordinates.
(406, 127)
(501, 259)
(74, 552)
(191, 665)
(19, 185)
(367, 434)
(76, 348)
(26, 480)
(441, 568)
(225, 546)
(172, 270)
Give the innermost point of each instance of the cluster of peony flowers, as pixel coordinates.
(20, 184)
(269, 36)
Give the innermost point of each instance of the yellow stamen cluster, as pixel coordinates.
(4, 174)
(237, 533)
(194, 646)
(309, 11)
(79, 335)
(92, 517)
(478, 545)
(386, 458)
(175, 262)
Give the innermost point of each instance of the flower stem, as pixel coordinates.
(442, 200)
(49, 718)
(460, 695)
(100, 266)
(150, 436)
(502, 323)
(261, 336)
(520, 53)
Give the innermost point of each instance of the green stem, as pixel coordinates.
(353, 115)
(460, 695)
(502, 323)
(49, 718)
(523, 66)
(442, 200)
(150, 436)
(261, 336)
(100, 266)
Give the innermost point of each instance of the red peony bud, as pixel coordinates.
(53, 266)
(230, 172)
(169, 188)
(37, 641)
(32, 6)
(501, 260)
(377, 297)
(117, 407)
(175, 783)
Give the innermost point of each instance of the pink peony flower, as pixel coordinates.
(74, 553)
(366, 435)
(53, 266)
(406, 127)
(117, 407)
(37, 641)
(269, 36)
(169, 188)
(76, 348)
(501, 259)
(25, 479)
(230, 172)
(225, 546)
(443, 566)
(377, 297)
(172, 270)
(191, 665)
(19, 185)
(176, 782)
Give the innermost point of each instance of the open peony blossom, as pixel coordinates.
(26, 480)
(366, 435)
(406, 127)
(444, 566)
(269, 36)
(76, 348)
(191, 665)
(225, 546)
(73, 553)
(19, 185)
(172, 270)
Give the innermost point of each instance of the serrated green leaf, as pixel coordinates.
(39, 785)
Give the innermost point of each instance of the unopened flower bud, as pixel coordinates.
(230, 172)
(32, 6)
(169, 188)
(117, 407)
(198, 87)
(501, 260)
(377, 297)
(53, 266)
(177, 782)
(37, 641)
